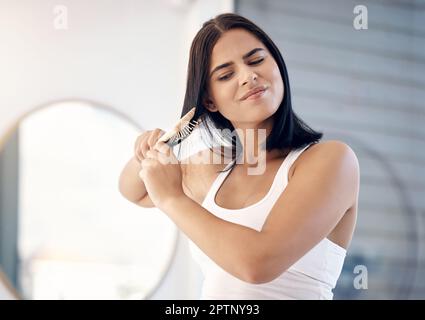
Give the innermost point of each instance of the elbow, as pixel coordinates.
(121, 185)
(256, 277)
(262, 264)
(261, 272)
(122, 191)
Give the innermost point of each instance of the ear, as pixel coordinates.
(209, 104)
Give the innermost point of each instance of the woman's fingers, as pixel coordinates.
(161, 157)
(137, 151)
(156, 134)
(143, 147)
(162, 147)
(146, 142)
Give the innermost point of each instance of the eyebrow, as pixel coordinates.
(245, 56)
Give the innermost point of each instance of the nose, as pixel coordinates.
(252, 77)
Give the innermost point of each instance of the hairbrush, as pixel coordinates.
(182, 129)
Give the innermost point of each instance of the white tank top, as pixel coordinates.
(313, 276)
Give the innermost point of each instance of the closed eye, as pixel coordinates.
(255, 62)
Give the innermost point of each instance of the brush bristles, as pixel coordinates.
(183, 133)
(183, 129)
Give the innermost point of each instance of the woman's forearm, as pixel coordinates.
(131, 186)
(232, 246)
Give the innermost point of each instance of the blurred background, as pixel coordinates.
(79, 81)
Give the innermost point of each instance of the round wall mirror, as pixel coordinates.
(76, 237)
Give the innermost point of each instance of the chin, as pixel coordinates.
(266, 110)
(260, 114)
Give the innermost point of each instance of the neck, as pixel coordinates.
(253, 139)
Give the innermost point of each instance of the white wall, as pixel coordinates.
(130, 55)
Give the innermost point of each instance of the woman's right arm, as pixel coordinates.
(131, 186)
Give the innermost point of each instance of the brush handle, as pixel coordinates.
(166, 136)
(180, 125)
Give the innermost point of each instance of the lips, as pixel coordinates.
(254, 91)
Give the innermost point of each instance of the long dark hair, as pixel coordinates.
(288, 132)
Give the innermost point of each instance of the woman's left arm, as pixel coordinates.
(228, 244)
(321, 189)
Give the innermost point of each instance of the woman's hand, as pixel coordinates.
(162, 175)
(145, 142)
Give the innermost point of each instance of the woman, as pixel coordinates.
(281, 234)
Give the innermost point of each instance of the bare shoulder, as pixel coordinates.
(326, 151)
(199, 171)
(329, 156)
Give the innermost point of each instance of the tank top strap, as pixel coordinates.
(283, 172)
(217, 182)
(293, 156)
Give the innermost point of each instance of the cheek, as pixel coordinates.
(278, 83)
(224, 92)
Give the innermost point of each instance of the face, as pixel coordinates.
(239, 63)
